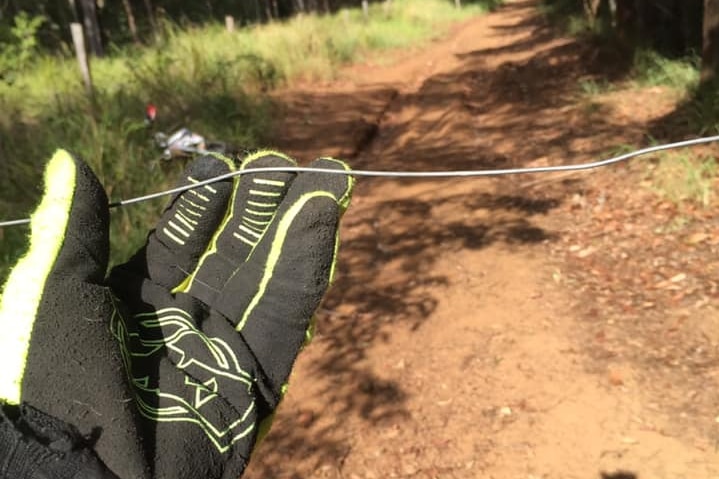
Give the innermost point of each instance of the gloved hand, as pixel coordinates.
(173, 365)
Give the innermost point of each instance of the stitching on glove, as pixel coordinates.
(276, 249)
(212, 249)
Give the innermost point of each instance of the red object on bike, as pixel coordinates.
(150, 112)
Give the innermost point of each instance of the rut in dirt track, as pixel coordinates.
(448, 347)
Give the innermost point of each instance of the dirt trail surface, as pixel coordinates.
(499, 328)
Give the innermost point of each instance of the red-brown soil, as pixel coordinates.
(556, 326)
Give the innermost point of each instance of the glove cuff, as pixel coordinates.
(34, 444)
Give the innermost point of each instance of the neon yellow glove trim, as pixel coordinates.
(186, 284)
(275, 251)
(344, 201)
(25, 285)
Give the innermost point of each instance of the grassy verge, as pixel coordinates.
(207, 79)
(682, 177)
(652, 69)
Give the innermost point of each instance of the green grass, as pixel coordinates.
(684, 177)
(569, 16)
(676, 177)
(653, 69)
(591, 86)
(648, 67)
(205, 78)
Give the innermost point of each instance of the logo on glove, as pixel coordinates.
(210, 370)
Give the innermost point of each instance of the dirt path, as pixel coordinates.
(452, 344)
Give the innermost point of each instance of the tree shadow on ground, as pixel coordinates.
(696, 115)
(619, 475)
(486, 113)
(387, 265)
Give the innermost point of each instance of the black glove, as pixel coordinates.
(173, 365)
(35, 445)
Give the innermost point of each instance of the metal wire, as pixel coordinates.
(411, 174)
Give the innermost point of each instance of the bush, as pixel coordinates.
(18, 45)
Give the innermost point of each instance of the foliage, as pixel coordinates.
(569, 15)
(206, 79)
(661, 38)
(19, 45)
(684, 177)
(703, 109)
(124, 22)
(592, 86)
(670, 27)
(651, 68)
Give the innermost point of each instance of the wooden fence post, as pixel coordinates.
(78, 39)
(230, 23)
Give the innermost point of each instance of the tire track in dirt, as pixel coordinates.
(448, 347)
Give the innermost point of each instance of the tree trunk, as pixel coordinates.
(92, 26)
(151, 16)
(710, 42)
(627, 19)
(591, 10)
(131, 20)
(73, 9)
(691, 13)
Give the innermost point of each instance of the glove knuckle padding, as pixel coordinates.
(253, 206)
(271, 283)
(186, 227)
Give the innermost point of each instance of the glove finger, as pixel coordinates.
(274, 295)
(68, 242)
(254, 204)
(186, 227)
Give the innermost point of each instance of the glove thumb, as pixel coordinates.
(71, 224)
(69, 244)
(57, 347)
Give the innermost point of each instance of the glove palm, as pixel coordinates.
(209, 315)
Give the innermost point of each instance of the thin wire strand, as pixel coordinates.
(410, 174)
